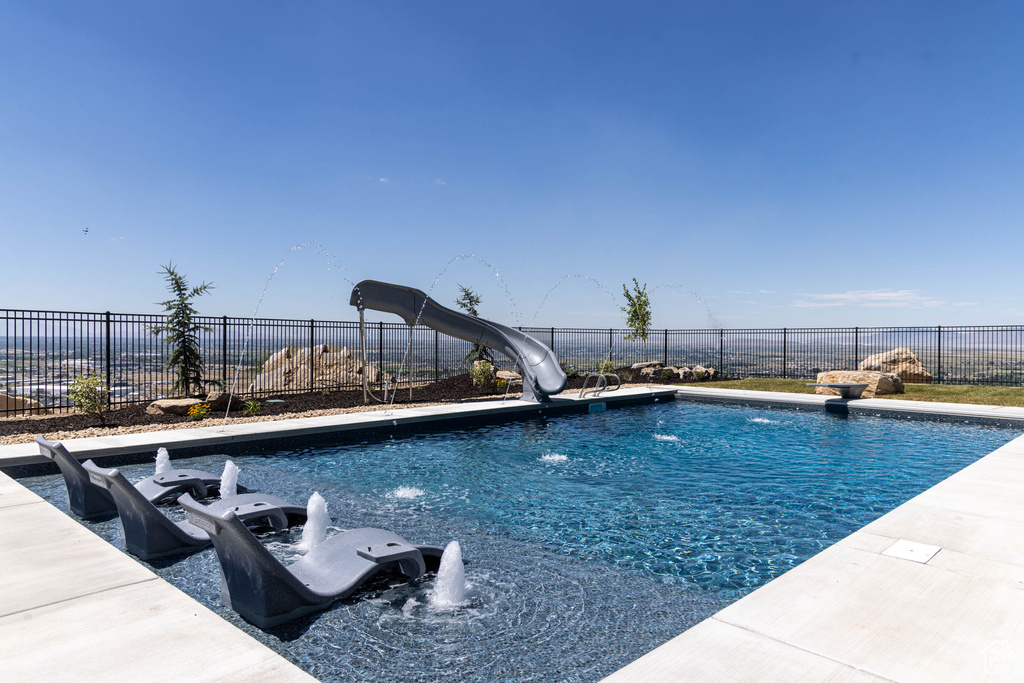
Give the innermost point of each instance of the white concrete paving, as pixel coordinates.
(860, 404)
(218, 434)
(74, 608)
(932, 591)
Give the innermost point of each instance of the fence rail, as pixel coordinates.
(42, 352)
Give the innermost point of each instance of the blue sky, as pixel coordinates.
(774, 163)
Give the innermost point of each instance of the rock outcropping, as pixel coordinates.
(656, 371)
(900, 361)
(879, 383)
(290, 369)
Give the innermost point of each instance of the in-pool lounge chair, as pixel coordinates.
(267, 593)
(149, 534)
(90, 502)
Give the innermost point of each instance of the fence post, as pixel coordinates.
(721, 355)
(611, 343)
(380, 354)
(224, 351)
(938, 373)
(311, 373)
(856, 347)
(106, 353)
(783, 353)
(666, 346)
(437, 372)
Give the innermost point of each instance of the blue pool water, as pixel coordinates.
(590, 539)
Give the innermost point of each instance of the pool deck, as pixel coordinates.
(934, 590)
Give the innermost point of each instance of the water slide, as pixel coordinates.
(542, 376)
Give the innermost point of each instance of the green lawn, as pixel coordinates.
(943, 393)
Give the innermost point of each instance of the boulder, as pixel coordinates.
(703, 374)
(686, 375)
(219, 400)
(509, 376)
(289, 370)
(19, 405)
(900, 361)
(646, 364)
(172, 406)
(879, 383)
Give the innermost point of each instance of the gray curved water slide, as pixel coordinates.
(542, 375)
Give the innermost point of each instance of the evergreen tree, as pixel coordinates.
(182, 332)
(468, 301)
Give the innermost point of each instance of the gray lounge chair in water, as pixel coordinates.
(149, 534)
(91, 502)
(267, 593)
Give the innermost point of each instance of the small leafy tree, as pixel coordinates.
(638, 313)
(88, 394)
(182, 332)
(468, 301)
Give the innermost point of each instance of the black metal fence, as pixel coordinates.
(42, 352)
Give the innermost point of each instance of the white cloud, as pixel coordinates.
(869, 298)
(766, 291)
(440, 182)
(385, 180)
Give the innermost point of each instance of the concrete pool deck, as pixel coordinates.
(933, 590)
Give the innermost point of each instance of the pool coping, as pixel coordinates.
(865, 609)
(74, 607)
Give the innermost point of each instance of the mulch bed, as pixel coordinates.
(454, 389)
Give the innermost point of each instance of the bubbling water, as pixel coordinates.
(163, 461)
(315, 529)
(450, 585)
(229, 480)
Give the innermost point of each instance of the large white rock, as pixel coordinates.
(879, 383)
(900, 361)
(21, 406)
(172, 406)
(289, 370)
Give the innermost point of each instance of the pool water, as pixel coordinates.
(590, 539)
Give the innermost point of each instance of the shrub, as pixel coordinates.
(482, 374)
(252, 406)
(668, 376)
(626, 375)
(88, 394)
(606, 366)
(700, 375)
(638, 313)
(570, 372)
(199, 411)
(501, 384)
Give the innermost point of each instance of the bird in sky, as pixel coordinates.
(86, 231)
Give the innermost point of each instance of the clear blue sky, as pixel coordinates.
(792, 163)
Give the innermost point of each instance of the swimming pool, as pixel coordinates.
(592, 539)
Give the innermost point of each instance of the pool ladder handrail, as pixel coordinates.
(601, 384)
